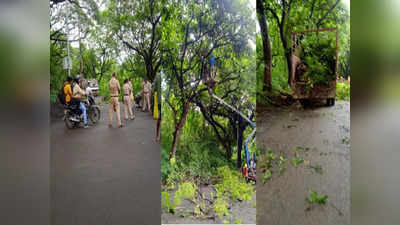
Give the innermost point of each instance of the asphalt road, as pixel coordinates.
(105, 175)
(325, 131)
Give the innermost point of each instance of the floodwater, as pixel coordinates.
(325, 133)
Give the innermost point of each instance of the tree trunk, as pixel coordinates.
(240, 144)
(288, 52)
(266, 46)
(228, 151)
(178, 129)
(149, 72)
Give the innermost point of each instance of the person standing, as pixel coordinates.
(115, 89)
(132, 98)
(127, 90)
(212, 61)
(141, 102)
(146, 95)
(150, 94)
(77, 94)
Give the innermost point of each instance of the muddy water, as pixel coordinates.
(244, 211)
(326, 132)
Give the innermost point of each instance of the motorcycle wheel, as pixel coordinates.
(94, 114)
(68, 123)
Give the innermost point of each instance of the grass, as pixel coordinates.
(296, 161)
(314, 198)
(300, 148)
(316, 169)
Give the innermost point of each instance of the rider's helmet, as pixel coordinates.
(77, 78)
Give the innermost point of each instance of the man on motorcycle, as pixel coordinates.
(77, 94)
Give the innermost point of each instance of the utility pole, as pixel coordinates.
(67, 61)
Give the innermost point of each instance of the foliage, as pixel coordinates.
(233, 185)
(199, 135)
(316, 168)
(185, 190)
(166, 202)
(220, 207)
(237, 221)
(194, 30)
(343, 91)
(296, 161)
(314, 198)
(197, 157)
(136, 25)
(319, 55)
(297, 15)
(267, 175)
(300, 148)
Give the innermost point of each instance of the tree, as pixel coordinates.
(286, 16)
(191, 32)
(266, 45)
(137, 24)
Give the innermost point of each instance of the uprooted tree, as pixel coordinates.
(191, 33)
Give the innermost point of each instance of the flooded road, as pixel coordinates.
(320, 137)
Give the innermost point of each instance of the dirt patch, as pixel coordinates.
(245, 211)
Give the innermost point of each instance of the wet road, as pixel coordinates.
(326, 132)
(104, 175)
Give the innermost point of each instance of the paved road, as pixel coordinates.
(104, 175)
(326, 131)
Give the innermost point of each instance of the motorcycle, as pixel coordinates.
(73, 116)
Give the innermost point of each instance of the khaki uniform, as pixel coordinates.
(132, 97)
(146, 96)
(127, 90)
(115, 88)
(142, 100)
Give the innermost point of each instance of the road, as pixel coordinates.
(103, 175)
(326, 132)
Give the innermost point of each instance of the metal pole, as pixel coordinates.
(252, 124)
(69, 70)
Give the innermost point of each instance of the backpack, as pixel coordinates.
(61, 95)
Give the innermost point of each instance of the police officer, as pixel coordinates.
(115, 89)
(127, 90)
(132, 98)
(146, 95)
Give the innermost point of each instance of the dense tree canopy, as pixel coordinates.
(284, 17)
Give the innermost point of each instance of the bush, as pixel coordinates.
(185, 190)
(319, 55)
(343, 91)
(233, 185)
